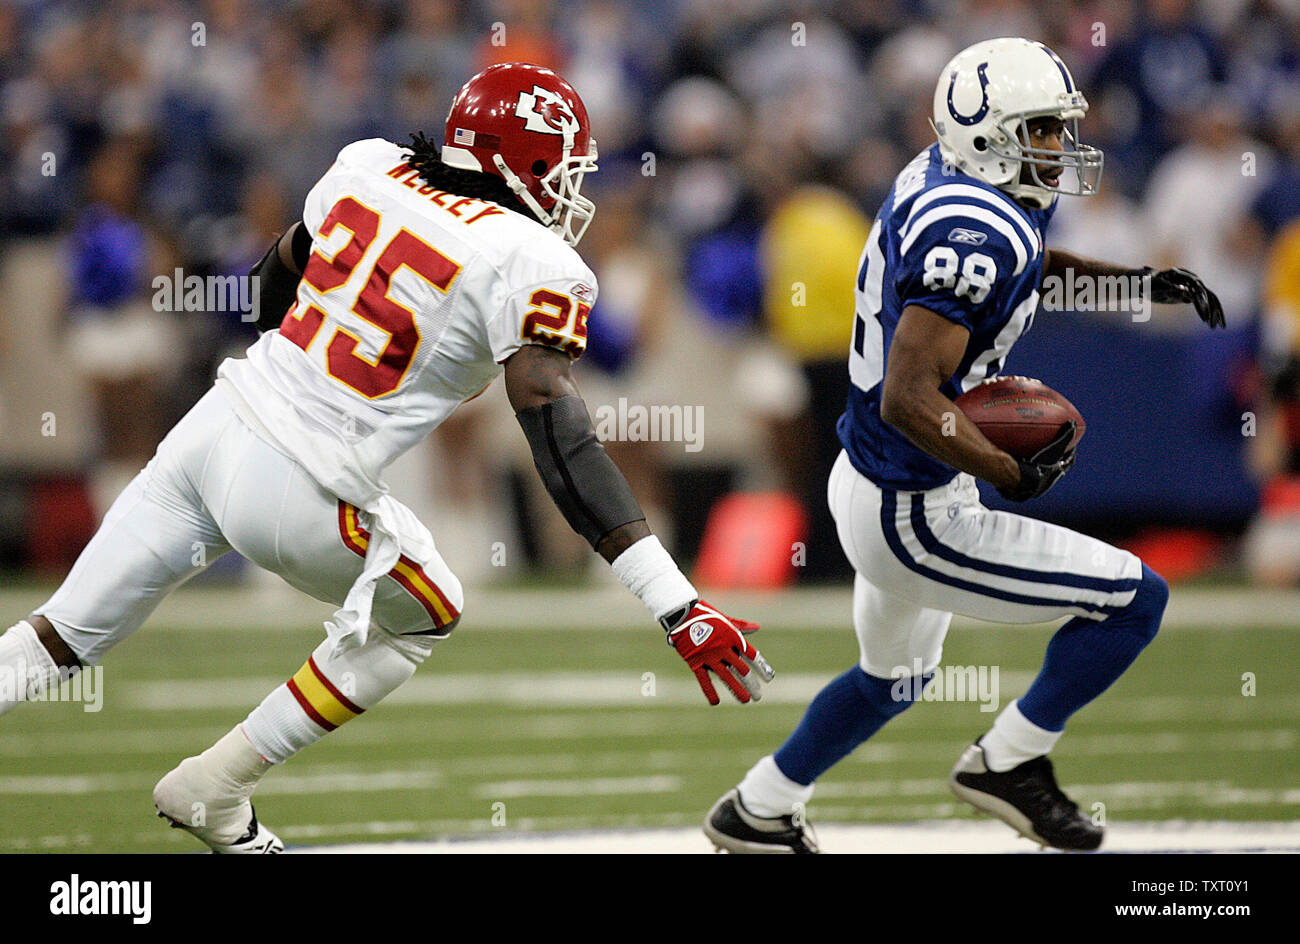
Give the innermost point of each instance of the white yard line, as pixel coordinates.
(388, 728)
(641, 719)
(544, 687)
(626, 688)
(435, 774)
(608, 604)
(601, 786)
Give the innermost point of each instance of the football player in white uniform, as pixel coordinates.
(413, 280)
(949, 279)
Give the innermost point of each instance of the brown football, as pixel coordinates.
(1019, 414)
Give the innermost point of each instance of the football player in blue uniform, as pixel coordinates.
(949, 279)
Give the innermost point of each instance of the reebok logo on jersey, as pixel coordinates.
(700, 632)
(969, 237)
(583, 291)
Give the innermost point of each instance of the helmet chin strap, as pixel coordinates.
(559, 219)
(1040, 197)
(520, 190)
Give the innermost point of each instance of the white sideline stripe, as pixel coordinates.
(608, 604)
(601, 786)
(912, 838)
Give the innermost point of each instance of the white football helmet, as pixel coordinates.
(984, 99)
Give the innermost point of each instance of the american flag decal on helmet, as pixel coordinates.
(464, 136)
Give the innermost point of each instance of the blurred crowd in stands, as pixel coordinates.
(745, 146)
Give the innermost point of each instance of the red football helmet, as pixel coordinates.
(527, 126)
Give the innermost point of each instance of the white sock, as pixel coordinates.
(25, 666)
(234, 764)
(1015, 739)
(212, 789)
(278, 728)
(331, 690)
(766, 791)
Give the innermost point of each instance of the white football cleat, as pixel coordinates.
(208, 797)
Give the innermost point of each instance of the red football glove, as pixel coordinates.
(708, 639)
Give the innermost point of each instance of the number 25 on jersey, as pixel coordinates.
(372, 304)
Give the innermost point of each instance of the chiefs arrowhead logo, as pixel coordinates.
(544, 111)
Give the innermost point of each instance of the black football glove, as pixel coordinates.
(1040, 471)
(1180, 287)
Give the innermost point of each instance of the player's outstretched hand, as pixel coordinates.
(1179, 287)
(711, 641)
(1041, 471)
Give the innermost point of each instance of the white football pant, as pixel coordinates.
(213, 485)
(922, 556)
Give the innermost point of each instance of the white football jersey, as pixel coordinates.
(412, 299)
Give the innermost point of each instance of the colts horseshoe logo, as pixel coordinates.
(984, 98)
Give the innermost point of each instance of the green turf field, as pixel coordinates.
(531, 729)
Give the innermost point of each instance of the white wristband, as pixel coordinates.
(650, 573)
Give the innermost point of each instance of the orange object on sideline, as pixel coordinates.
(752, 540)
(60, 522)
(1282, 495)
(1176, 554)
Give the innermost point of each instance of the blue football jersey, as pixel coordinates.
(962, 249)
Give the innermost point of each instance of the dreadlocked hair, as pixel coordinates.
(464, 183)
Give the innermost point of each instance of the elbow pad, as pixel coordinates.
(277, 284)
(586, 486)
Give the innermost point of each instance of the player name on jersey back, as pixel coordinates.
(457, 206)
(410, 302)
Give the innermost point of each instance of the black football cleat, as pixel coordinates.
(732, 828)
(1027, 799)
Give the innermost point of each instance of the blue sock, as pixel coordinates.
(845, 713)
(1086, 656)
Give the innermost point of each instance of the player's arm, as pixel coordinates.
(278, 273)
(545, 398)
(925, 351)
(596, 500)
(1061, 264)
(1165, 287)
